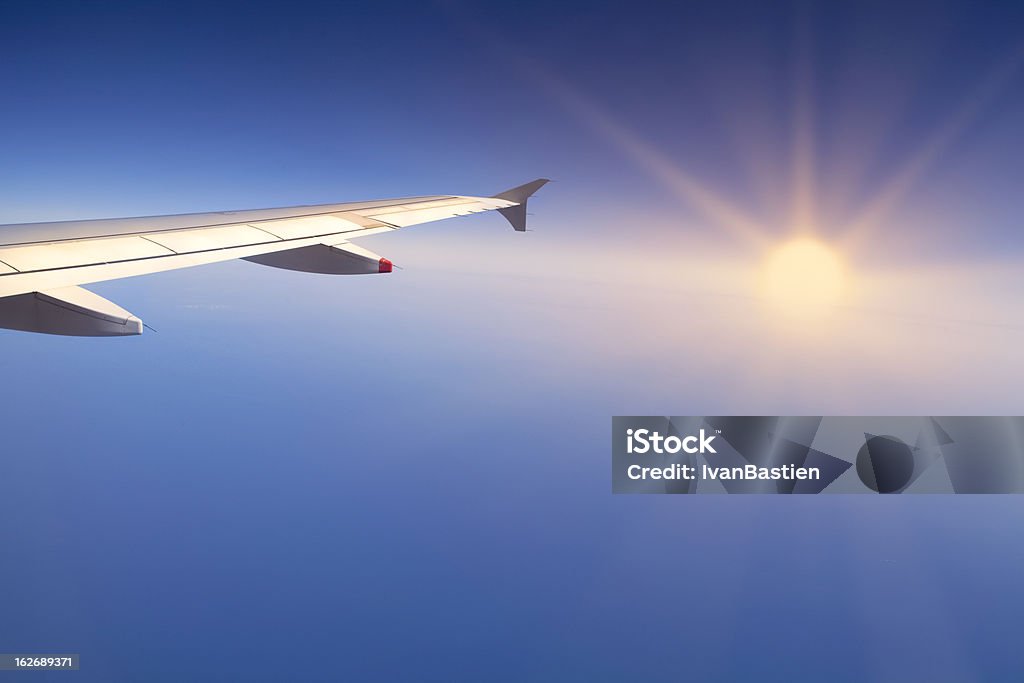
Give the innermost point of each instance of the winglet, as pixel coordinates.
(516, 215)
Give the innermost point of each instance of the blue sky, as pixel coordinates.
(406, 477)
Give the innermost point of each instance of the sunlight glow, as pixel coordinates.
(803, 277)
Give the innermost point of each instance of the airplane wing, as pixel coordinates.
(43, 264)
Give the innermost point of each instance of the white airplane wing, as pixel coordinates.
(42, 264)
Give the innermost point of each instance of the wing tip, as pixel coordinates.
(523, 192)
(516, 214)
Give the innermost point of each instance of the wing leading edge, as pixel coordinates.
(42, 264)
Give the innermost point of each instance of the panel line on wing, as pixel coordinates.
(173, 254)
(160, 245)
(334, 210)
(266, 231)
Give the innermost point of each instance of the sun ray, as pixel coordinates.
(870, 219)
(662, 168)
(671, 175)
(802, 212)
(804, 206)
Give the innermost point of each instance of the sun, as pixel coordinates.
(803, 277)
